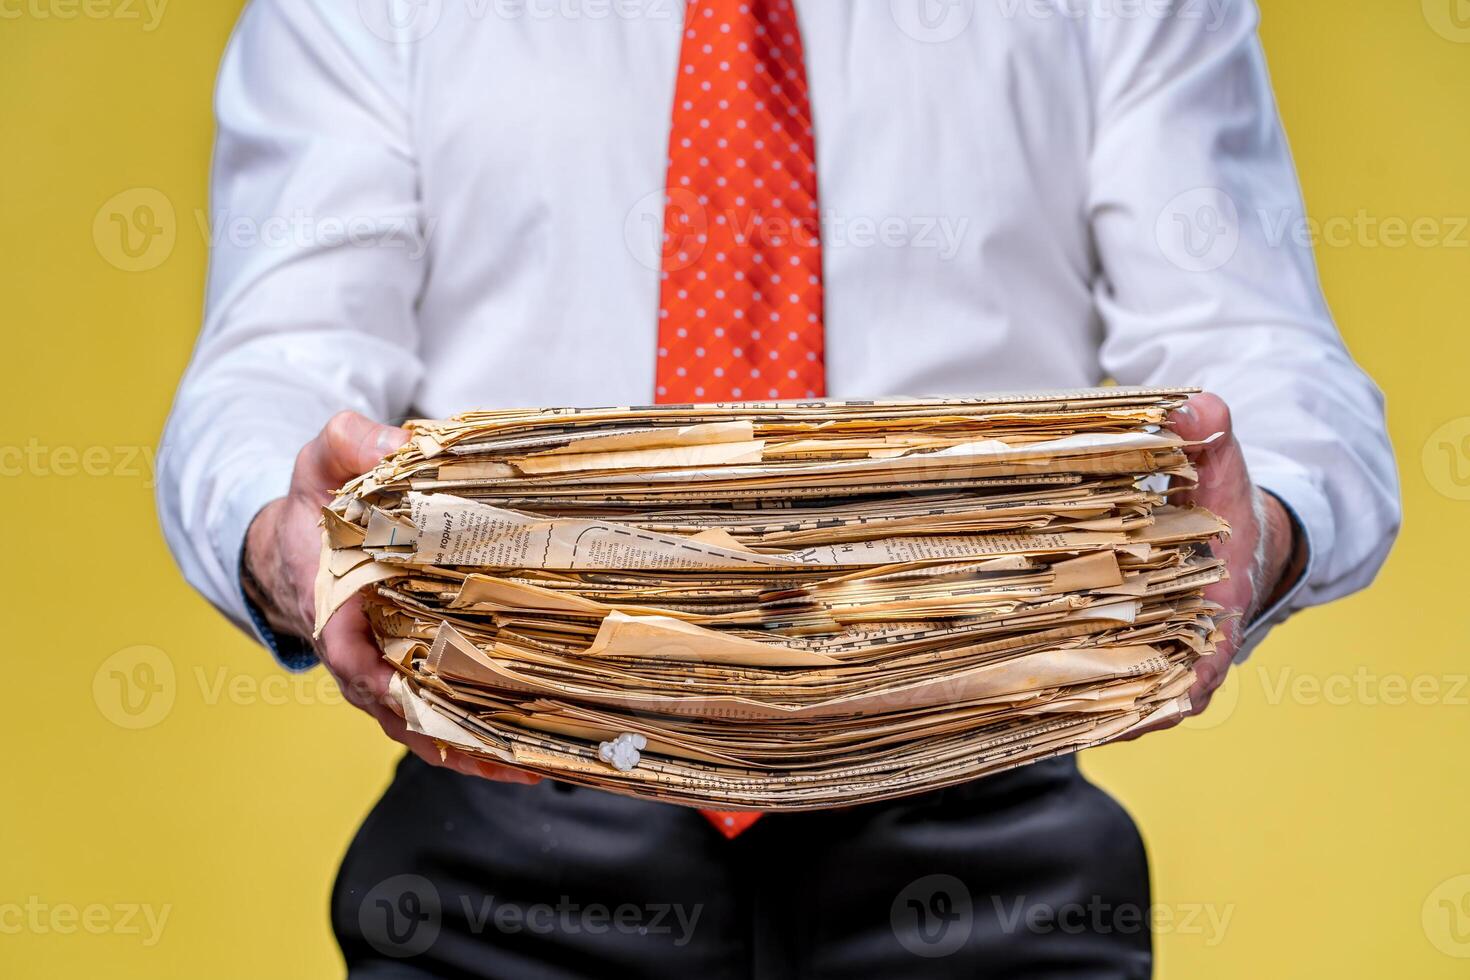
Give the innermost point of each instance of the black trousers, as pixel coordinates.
(1032, 874)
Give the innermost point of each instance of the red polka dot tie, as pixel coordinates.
(740, 312)
(740, 305)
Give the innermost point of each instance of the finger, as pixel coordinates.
(507, 774)
(428, 750)
(352, 656)
(362, 689)
(1209, 674)
(1199, 705)
(1219, 463)
(1157, 726)
(1201, 417)
(350, 444)
(350, 652)
(1222, 658)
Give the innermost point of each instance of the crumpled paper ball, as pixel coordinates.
(622, 752)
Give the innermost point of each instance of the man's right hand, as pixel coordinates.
(282, 550)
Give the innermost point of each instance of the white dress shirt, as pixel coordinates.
(451, 204)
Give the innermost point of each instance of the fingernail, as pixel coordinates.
(390, 439)
(1187, 411)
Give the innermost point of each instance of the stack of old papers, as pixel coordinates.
(783, 605)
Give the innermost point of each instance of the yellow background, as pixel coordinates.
(1324, 817)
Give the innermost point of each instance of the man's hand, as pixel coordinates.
(1260, 547)
(282, 549)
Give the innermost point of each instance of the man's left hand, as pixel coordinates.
(1259, 551)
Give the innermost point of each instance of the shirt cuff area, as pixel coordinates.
(243, 504)
(291, 652)
(1305, 548)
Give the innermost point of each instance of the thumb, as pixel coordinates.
(1201, 417)
(349, 445)
(1220, 465)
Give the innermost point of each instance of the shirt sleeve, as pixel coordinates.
(1205, 278)
(316, 263)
